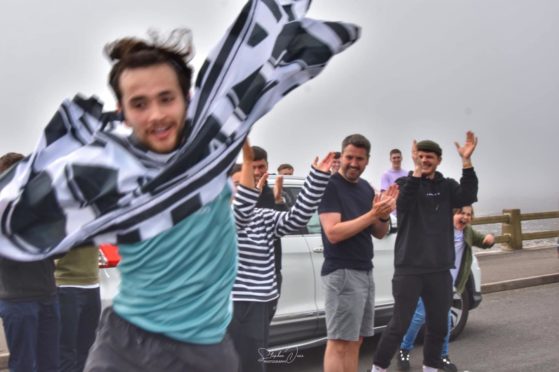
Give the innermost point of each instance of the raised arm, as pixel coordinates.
(246, 195)
(247, 172)
(409, 186)
(465, 151)
(308, 199)
(466, 193)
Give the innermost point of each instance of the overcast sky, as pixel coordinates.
(422, 69)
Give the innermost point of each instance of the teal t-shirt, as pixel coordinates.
(179, 282)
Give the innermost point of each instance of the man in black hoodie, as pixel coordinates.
(424, 251)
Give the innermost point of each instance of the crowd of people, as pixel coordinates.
(199, 238)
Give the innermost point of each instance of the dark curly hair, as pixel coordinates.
(131, 52)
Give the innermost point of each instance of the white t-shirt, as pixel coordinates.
(459, 251)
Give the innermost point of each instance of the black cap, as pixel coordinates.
(429, 146)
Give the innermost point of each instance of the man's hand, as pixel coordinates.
(278, 189)
(248, 156)
(325, 164)
(416, 160)
(247, 173)
(262, 181)
(467, 149)
(385, 202)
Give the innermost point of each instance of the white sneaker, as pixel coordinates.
(378, 369)
(429, 369)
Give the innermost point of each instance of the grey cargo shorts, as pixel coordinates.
(349, 304)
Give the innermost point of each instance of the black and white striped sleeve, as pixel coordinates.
(305, 205)
(243, 205)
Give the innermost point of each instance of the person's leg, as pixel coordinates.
(346, 294)
(408, 341)
(21, 320)
(417, 322)
(249, 331)
(235, 330)
(89, 312)
(351, 360)
(447, 337)
(68, 300)
(334, 355)
(367, 284)
(48, 343)
(406, 290)
(364, 285)
(437, 298)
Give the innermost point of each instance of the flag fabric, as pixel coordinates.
(88, 182)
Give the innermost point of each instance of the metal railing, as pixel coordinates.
(512, 236)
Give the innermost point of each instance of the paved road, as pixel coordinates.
(511, 331)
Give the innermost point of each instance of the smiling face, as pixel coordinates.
(396, 160)
(259, 167)
(463, 217)
(354, 160)
(429, 162)
(154, 106)
(335, 166)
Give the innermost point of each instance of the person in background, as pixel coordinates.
(336, 163)
(272, 199)
(424, 249)
(465, 237)
(77, 279)
(350, 214)
(29, 307)
(285, 169)
(255, 287)
(395, 172)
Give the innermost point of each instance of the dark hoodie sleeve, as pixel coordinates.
(465, 193)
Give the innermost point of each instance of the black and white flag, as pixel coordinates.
(86, 181)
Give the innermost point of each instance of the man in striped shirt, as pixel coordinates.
(255, 287)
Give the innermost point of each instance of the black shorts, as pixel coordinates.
(121, 346)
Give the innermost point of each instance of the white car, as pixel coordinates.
(299, 320)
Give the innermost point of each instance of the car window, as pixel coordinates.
(313, 226)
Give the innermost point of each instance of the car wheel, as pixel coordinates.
(459, 313)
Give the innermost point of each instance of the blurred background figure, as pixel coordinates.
(29, 306)
(285, 169)
(336, 163)
(391, 175)
(77, 278)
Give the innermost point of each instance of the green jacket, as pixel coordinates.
(471, 238)
(80, 266)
